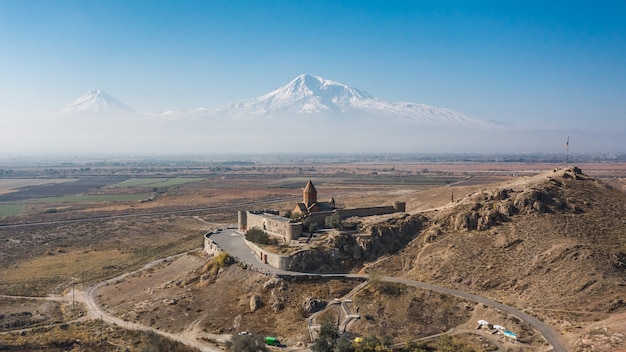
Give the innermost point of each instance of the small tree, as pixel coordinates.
(370, 343)
(325, 341)
(310, 226)
(343, 344)
(288, 214)
(334, 221)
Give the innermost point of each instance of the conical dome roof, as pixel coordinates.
(309, 188)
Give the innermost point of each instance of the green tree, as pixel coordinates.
(329, 339)
(309, 225)
(325, 341)
(370, 343)
(334, 221)
(343, 344)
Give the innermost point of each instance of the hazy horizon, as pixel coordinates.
(552, 70)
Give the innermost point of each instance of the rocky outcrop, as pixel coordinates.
(275, 283)
(312, 305)
(277, 303)
(255, 303)
(343, 251)
(484, 210)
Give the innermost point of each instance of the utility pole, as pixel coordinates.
(567, 152)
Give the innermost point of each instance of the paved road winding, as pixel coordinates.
(233, 243)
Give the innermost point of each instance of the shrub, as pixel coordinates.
(392, 288)
(246, 343)
(223, 259)
(259, 236)
(415, 346)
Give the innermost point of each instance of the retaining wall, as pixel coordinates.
(273, 224)
(276, 261)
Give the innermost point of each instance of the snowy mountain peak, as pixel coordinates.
(306, 94)
(326, 90)
(313, 95)
(95, 102)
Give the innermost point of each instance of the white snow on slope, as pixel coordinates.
(309, 95)
(305, 96)
(95, 102)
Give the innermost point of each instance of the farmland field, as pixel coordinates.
(157, 182)
(40, 188)
(10, 209)
(78, 198)
(10, 185)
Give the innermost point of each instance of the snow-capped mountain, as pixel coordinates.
(305, 96)
(95, 102)
(312, 95)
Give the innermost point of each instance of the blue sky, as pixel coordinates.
(552, 63)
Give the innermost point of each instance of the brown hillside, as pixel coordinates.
(552, 244)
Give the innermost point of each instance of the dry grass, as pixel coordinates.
(57, 268)
(90, 335)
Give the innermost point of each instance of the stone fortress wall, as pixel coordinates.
(290, 229)
(271, 222)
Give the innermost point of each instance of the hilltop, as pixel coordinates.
(553, 245)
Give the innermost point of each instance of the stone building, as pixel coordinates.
(310, 204)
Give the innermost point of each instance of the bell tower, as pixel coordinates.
(309, 194)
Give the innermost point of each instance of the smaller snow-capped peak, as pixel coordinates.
(95, 102)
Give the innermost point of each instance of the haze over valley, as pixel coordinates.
(309, 114)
